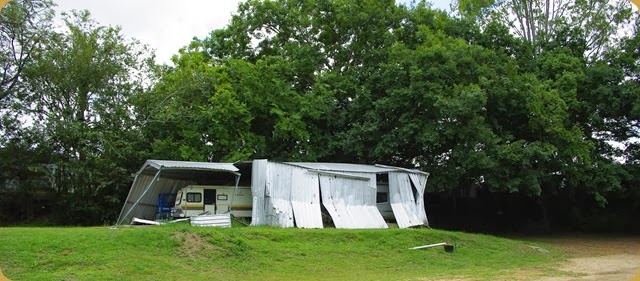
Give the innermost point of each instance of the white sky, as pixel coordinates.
(164, 25)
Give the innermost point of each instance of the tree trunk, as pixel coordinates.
(544, 213)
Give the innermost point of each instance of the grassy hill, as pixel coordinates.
(182, 252)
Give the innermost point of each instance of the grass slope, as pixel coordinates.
(181, 252)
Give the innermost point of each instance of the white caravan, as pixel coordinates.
(194, 200)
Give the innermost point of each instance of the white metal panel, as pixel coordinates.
(402, 200)
(220, 220)
(368, 206)
(420, 182)
(330, 200)
(278, 208)
(280, 213)
(369, 203)
(405, 215)
(142, 221)
(305, 198)
(259, 172)
(351, 201)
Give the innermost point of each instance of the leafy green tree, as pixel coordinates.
(77, 96)
(23, 25)
(545, 24)
(193, 113)
(207, 110)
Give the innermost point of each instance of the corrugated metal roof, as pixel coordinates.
(169, 164)
(342, 167)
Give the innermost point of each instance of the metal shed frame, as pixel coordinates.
(174, 175)
(277, 191)
(289, 194)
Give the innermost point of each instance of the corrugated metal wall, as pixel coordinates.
(305, 198)
(259, 172)
(351, 201)
(147, 206)
(402, 200)
(420, 182)
(285, 196)
(278, 193)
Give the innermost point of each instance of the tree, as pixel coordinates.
(23, 24)
(77, 96)
(193, 112)
(545, 24)
(231, 110)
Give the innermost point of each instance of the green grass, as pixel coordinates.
(181, 252)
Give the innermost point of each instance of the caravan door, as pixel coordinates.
(210, 201)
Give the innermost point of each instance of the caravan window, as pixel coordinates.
(193, 197)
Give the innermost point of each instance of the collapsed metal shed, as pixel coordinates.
(163, 176)
(293, 193)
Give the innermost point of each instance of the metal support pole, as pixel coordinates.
(233, 195)
(135, 179)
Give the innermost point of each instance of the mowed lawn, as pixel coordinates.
(182, 252)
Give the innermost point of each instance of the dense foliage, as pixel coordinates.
(513, 106)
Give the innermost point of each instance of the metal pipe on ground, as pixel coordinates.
(447, 248)
(428, 246)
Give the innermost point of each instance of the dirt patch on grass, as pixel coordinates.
(590, 258)
(193, 245)
(598, 258)
(611, 267)
(592, 246)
